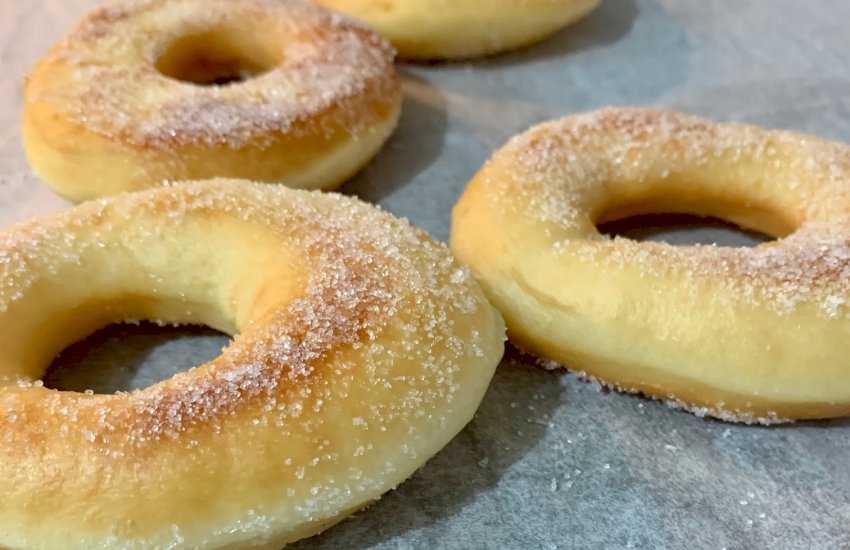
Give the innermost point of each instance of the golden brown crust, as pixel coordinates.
(738, 333)
(327, 86)
(362, 348)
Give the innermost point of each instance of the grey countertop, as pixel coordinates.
(550, 461)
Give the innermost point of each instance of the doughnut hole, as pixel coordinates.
(686, 209)
(220, 56)
(682, 229)
(132, 356)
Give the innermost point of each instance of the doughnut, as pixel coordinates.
(445, 29)
(360, 348)
(145, 91)
(740, 334)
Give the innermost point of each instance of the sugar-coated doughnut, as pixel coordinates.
(361, 349)
(744, 334)
(445, 29)
(145, 91)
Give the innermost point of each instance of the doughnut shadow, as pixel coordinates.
(125, 357)
(508, 425)
(416, 143)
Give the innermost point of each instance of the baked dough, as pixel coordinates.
(446, 29)
(137, 93)
(746, 334)
(361, 348)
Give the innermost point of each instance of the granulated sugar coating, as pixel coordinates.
(571, 173)
(362, 348)
(315, 65)
(743, 334)
(143, 92)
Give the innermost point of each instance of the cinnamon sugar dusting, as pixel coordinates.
(561, 173)
(102, 75)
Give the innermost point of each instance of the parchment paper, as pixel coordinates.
(549, 461)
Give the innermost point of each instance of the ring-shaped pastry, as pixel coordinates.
(361, 348)
(746, 334)
(147, 91)
(449, 29)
